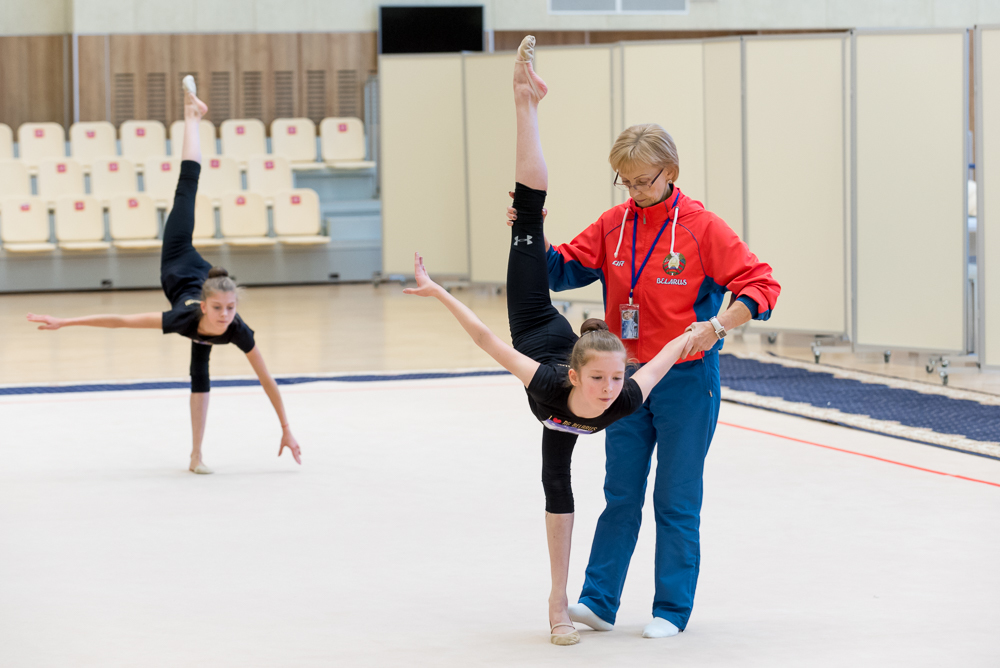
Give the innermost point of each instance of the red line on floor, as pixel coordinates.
(859, 454)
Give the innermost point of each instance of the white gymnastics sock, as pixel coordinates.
(188, 83)
(201, 469)
(659, 628)
(578, 612)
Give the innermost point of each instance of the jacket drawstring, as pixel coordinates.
(673, 232)
(621, 234)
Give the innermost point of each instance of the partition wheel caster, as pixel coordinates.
(944, 377)
(816, 354)
(586, 314)
(887, 355)
(772, 337)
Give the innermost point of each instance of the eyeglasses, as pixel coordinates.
(638, 185)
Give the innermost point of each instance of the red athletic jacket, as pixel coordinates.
(671, 293)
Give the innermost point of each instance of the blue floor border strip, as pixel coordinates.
(287, 380)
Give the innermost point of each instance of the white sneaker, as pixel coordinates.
(659, 628)
(581, 614)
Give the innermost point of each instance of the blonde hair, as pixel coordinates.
(645, 144)
(219, 281)
(594, 338)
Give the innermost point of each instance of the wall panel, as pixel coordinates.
(211, 59)
(423, 164)
(335, 67)
(795, 176)
(910, 220)
(575, 122)
(724, 131)
(269, 75)
(34, 75)
(988, 182)
(663, 84)
(92, 69)
(492, 134)
(142, 84)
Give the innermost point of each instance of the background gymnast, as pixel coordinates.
(203, 297)
(574, 385)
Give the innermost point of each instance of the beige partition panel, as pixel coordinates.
(423, 164)
(492, 132)
(576, 124)
(910, 121)
(796, 149)
(988, 191)
(724, 131)
(663, 83)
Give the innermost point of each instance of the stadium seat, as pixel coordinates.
(89, 141)
(24, 225)
(112, 176)
(208, 145)
(160, 179)
(39, 141)
(80, 224)
(142, 139)
(243, 137)
(59, 177)
(343, 143)
(204, 223)
(297, 218)
(295, 140)
(244, 220)
(134, 222)
(6, 142)
(219, 175)
(14, 179)
(267, 175)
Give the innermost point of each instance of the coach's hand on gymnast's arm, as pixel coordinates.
(703, 333)
(112, 321)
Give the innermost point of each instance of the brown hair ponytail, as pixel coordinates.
(597, 338)
(218, 281)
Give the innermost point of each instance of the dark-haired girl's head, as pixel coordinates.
(219, 298)
(597, 365)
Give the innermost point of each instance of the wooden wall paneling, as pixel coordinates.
(315, 84)
(354, 57)
(268, 71)
(33, 75)
(211, 59)
(335, 67)
(92, 68)
(140, 78)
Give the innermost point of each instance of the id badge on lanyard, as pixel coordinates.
(630, 321)
(630, 331)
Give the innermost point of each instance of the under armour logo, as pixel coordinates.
(526, 240)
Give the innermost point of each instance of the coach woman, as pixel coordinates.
(665, 263)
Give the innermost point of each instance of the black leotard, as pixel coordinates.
(182, 272)
(539, 331)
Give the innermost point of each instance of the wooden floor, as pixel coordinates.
(326, 329)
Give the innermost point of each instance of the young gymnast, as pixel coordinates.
(575, 385)
(203, 298)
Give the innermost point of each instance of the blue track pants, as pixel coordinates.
(679, 417)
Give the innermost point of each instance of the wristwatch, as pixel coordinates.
(720, 331)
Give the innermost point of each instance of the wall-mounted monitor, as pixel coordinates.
(430, 29)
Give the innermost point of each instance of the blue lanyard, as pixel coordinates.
(635, 221)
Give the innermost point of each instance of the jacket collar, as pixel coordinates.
(658, 213)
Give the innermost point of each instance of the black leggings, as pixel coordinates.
(182, 268)
(539, 331)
